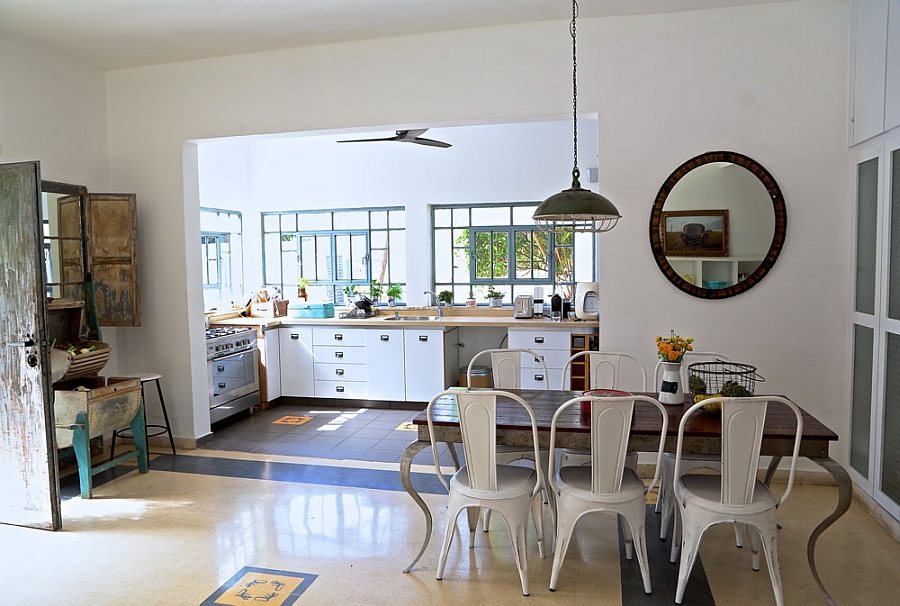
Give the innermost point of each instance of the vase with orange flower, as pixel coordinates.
(671, 352)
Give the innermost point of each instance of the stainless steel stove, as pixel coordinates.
(232, 371)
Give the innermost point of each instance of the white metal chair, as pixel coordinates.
(604, 371)
(665, 501)
(483, 482)
(736, 495)
(506, 371)
(607, 484)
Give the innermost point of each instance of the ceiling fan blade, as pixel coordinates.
(369, 140)
(409, 135)
(431, 142)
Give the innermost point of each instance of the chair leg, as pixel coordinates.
(452, 513)
(633, 519)
(676, 536)
(472, 515)
(486, 522)
(537, 515)
(629, 540)
(754, 547)
(520, 546)
(738, 534)
(768, 531)
(565, 524)
(162, 404)
(691, 533)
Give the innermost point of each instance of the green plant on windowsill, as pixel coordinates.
(350, 291)
(492, 293)
(393, 293)
(376, 289)
(446, 297)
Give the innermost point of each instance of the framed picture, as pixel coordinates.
(695, 233)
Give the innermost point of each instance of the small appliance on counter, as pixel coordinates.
(587, 300)
(524, 306)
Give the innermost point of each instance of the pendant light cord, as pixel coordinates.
(575, 172)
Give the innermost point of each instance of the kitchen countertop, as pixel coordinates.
(452, 319)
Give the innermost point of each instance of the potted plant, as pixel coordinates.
(393, 294)
(376, 289)
(445, 297)
(301, 289)
(470, 302)
(350, 293)
(494, 296)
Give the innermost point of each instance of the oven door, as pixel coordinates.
(232, 377)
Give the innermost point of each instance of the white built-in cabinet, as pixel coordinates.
(552, 346)
(270, 360)
(431, 360)
(385, 364)
(875, 83)
(367, 363)
(296, 350)
(728, 270)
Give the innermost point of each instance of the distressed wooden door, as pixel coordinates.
(29, 484)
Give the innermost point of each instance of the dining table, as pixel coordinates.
(702, 436)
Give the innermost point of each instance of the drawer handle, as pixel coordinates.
(338, 336)
(385, 337)
(423, 337)
(339, 371)
(538, 377)
(221, 385)
(295, 336)
(539, 339)
(338, 354)
(220, 369)
(339, 388)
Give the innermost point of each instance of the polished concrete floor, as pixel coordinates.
(233, 526)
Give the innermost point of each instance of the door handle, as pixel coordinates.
(25, 343)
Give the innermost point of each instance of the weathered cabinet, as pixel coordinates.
(93, 239)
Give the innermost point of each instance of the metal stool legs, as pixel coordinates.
(167, 428)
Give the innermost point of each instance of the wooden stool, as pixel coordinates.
(146, 377)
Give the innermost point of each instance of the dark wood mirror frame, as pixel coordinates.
(656, 245)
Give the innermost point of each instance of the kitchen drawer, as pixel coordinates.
(346, 337)
(222, 385)
(535, 379)
(340, 372)
(339, 355)
(234, 367)
(539, 339)
(553, 358)
(342, 389)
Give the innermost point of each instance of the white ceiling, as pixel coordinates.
(128, 33)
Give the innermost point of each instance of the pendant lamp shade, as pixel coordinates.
(576, 209)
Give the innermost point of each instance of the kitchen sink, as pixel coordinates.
(412, 318)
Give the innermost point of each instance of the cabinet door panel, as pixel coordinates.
(539, 339)
(424, 356)
(295, 347)
(386, 365)
(113, 257)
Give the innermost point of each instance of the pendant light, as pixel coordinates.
(576, 209)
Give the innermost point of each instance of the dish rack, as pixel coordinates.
(728, 379)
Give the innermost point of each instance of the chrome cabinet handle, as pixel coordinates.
(295, 336)
(338, 354)
(25, 343)
(539, 339)
(385, 337)
(339, 388)
(538, 377)
(338, 337)
(220, 368)
(339, 371)
(423, 337)
(221, 385)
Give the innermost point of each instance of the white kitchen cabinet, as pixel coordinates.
(385, 364)
(340, 361)
(431, 361)
(553, 346)
(295, 346)
(869, 67)
(270, 360)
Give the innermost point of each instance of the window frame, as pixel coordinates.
(334, 285)
(512, 229)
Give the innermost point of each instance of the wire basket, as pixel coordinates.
(720, 378)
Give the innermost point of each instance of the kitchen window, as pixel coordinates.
(334, 249)
(221, 245)
(476, 246)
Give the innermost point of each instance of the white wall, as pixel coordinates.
(768, 81)
(486, 163)
(53, 109)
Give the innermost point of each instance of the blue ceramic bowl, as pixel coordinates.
(717, 284)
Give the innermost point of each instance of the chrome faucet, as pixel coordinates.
(440, 310)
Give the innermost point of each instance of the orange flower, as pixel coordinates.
(673, 356)
(673, 347)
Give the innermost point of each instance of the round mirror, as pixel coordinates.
(717, 225)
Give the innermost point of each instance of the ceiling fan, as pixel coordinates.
(405, 136)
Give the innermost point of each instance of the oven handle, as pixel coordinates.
(234, 355)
